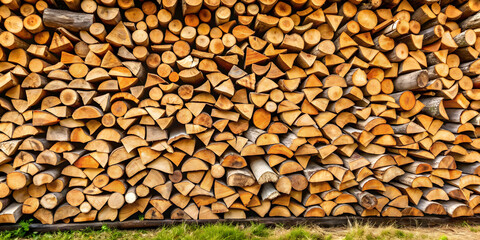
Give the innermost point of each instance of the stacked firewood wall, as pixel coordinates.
(207, 109)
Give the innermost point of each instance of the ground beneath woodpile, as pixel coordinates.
(258, 231)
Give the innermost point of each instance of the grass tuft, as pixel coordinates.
(21, 232)
(367, 232)
(174, 232)
(207, 232)
(471, 228)
(258, 230)
(220, 232)
(301, 233)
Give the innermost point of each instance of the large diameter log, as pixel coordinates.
(11, 214)
(434, 107)
(18, 180)
(269, 192)
(411, 81)
(471, 22)
(240, 177)
(52, 200)
(262, 171)
(10, 41)
(73, 21)
(365, 199)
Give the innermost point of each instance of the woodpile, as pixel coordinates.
(238, 109)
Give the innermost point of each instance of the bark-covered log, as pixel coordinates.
(73, 21)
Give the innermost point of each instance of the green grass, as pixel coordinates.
(302, 233)
(255, 231)
(474, 229)
(182, 231)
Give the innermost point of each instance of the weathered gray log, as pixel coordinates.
(72, 21)
(411, 81)
(471, 22)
